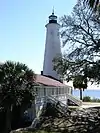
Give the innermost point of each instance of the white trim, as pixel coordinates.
(53, 87)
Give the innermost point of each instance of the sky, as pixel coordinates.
(22, 29)
(23, 32)
(91, 93)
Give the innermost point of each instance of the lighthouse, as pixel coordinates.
(52, 47)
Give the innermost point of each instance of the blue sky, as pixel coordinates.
(22, 29)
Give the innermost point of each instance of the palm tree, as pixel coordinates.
(81, 83)
(16, 80)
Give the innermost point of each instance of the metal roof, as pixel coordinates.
(48, 81)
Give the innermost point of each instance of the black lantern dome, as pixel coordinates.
(52, 18)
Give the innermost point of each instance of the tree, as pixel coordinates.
(87, 99)
(80, 34)
(93, 3)
(81, 83)
(16, 85)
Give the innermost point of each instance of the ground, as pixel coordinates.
(77, 121)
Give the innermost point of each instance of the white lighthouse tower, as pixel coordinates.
(52, 47)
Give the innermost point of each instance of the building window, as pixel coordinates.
(44, 91)
(59, 90)
(62, 90)
(52, 91)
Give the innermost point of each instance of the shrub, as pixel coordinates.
(95, 100)
(87, 99)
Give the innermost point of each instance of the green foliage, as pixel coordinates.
(16, 88)
(95, 100)
(86, 99)
(81, 37)
(16, 81)
(93, 3)
(80, 82)
(89, 99)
